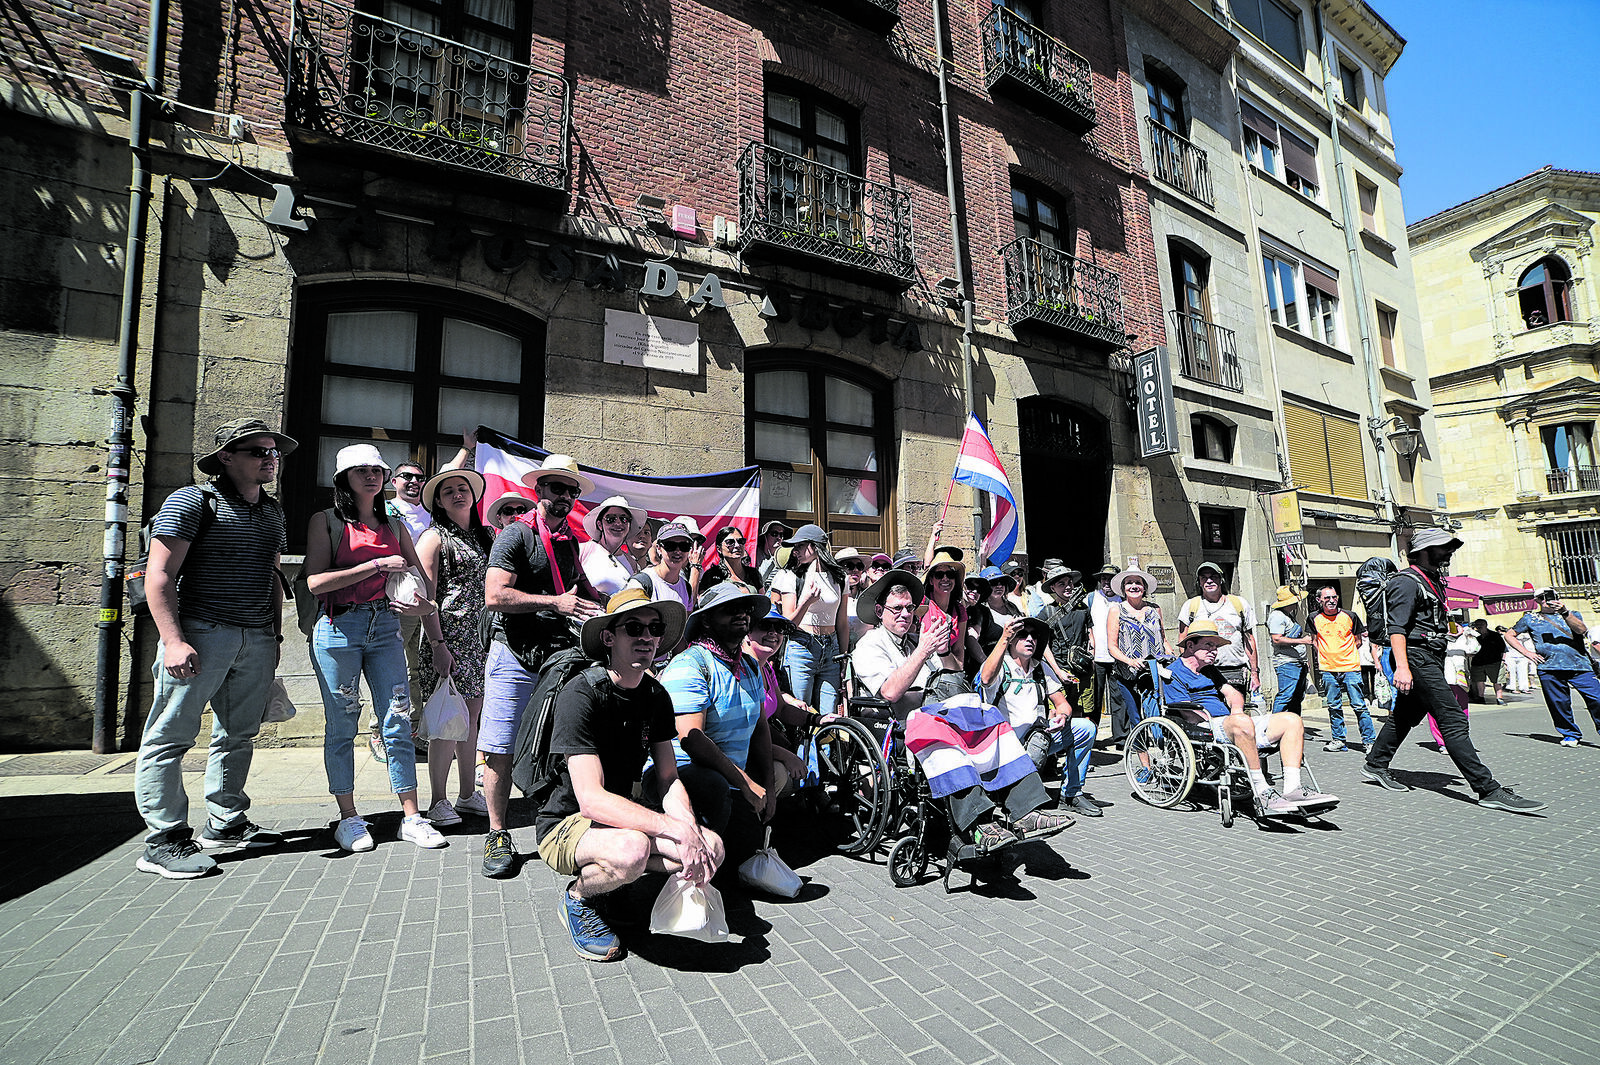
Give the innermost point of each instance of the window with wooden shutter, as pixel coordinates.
(1308, 449)
(1347, 469)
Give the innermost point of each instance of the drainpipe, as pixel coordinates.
(108, 667)
(1352, 246)
(963, 283)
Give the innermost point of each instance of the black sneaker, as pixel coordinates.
(1503, 798)
(1083, 805)
(1384, 777)
(176, 860)
(499, 856)
(245, 834)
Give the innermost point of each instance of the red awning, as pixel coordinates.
(1471, 593)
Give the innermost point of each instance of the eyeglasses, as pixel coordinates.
(636, 628)
(905, 608)
(513, 511)
(942, 575)
(676, 546)
(409, 477)
(561, 488)
(617, 519)
(256, 452)
(1211, 578)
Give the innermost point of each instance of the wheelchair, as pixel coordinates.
(1171, 749)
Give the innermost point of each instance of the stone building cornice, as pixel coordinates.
(1580, 187)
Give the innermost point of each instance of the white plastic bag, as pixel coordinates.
(279, 708)
(405, 587)
(766, 871)
(445, 715)
(691, 910)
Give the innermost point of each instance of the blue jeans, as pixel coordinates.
(813, 673)
(1291, 689)
(1347, 684)
(1079, 737)
(1557, 685)
(236, 668)
(363, 640)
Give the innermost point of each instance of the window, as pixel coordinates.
(1574, 551)
(1190, 276)
(1325, 452)
(1302, 297)
(1277, 25)
(1367, 193)
(1213, 438)
(818, 199)
(1569, 457)
(821, 439)
(803, 122)
(1038, 214)
(1545, 293)
(406, 368)
(1352, 84)
(1166, 99)
(1274, 150)
(1219, 530)
(1389, 336)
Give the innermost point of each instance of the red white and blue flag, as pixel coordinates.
(714, 500)
(978, 466)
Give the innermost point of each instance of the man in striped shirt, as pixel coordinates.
(212, 584)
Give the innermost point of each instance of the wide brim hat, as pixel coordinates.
(1037, 627)
(472, 477)
(559, 466)
(845, 554)
(1057, 572)
(1133, 571)
(867, 602)
(776, 615)
(693, 526)
(1201, 627)
(359, 455)
(1108, 570)
(995, 575)
(774, 526)
(721, 595)
(231, 433)
(1432, 536)
(508, 497)
(591, 520)
(632, 600)
(1287, 597)
(949, 556)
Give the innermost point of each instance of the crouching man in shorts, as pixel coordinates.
(1194, 680)
(609, 719)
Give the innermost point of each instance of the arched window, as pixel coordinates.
(822, 436)
(1544, 293)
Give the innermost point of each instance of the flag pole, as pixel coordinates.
(947, 493)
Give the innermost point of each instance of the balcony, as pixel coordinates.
(1208, 351)
(1046, 286)
(1178, 162)
(876, 15)
(797, 210)
(374, 87)
(1021, 59)
(1572, 479)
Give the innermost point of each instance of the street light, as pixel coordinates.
(1406, 439)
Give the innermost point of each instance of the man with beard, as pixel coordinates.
(535, 588)
(1416, 621)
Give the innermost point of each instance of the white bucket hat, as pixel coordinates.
(359, 455)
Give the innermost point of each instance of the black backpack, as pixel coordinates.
(534, 769)
(138, 601)
(1372, 578)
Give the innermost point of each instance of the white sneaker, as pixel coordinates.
(416, 829)
(473, 804)
(477, 777)
(1569, 743)
(443, 815)
(352, 835)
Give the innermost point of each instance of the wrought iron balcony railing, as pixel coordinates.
(356, 77)
(1208, 351)
(1017, 54)
(1179, 163)
(1045, 284)
(789, 203)
(1573, 479)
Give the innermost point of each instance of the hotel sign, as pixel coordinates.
(1157, 411)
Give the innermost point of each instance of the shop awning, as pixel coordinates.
(1470, 593)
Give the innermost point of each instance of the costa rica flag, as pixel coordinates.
(979, 467)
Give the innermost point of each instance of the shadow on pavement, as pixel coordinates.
(80, 828)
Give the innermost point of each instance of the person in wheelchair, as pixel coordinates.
(1016, 679)
(1192, 680)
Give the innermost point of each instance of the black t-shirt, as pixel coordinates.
(1414, 611)
(1491, 649)
(620, 725)
(519, 551)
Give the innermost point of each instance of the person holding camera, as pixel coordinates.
(1556, 639)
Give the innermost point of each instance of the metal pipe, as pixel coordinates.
(957, 250)
(108, 666)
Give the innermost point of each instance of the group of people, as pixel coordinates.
(705, 662)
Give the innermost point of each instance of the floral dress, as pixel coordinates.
(462, 564)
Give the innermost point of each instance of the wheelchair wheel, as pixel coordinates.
(908, 862)
(855, 784)
(1225, 803)
(1159, 761)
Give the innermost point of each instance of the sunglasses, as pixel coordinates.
(880, 565)
(409, 477)
(636, 628)
(779, 627)
(942, 575)
(561, 488)
(733, 541)
(513, 511)
(617, 519)
(256, 452)
(676, 546)
(855, 567)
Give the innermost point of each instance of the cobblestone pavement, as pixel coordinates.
(1407, 928)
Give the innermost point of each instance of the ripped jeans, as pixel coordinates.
(365, 639)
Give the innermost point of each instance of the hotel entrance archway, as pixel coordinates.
(1066, 482)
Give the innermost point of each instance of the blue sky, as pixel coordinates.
(1489, 90)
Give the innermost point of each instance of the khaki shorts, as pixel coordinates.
(559, 848)
(1261, 722)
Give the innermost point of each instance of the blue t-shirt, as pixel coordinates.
(1554, 639)
(1187, 686)
(701, 683)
